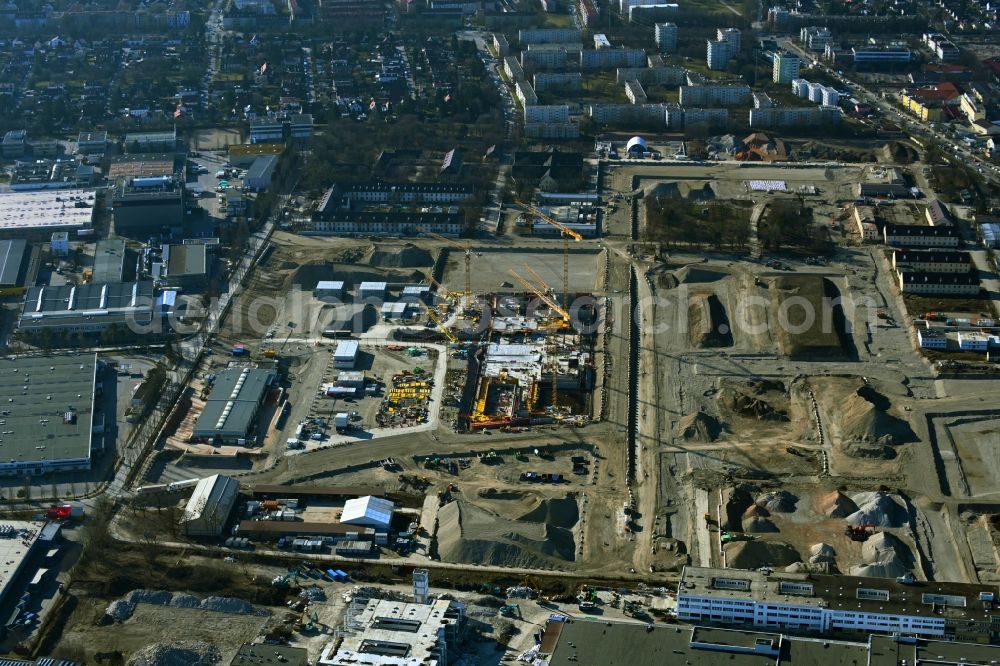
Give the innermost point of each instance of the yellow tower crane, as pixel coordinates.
(437, 320)
(539, 279)
(566, 233)
(467, 249)
(550, 343)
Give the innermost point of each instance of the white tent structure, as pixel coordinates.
(210, 505)
(368, 511)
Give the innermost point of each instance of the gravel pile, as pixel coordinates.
(120, 610)
(880, 509)
(780, 501)
(197, 653)
(227, 605)
(185, 601)
(154, 597)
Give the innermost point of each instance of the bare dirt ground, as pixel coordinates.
(86, 636)
(856, 423)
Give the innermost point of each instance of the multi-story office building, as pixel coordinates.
(834, 605)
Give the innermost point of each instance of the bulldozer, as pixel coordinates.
(860, 532)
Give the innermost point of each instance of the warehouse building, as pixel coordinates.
(148, 203)
(207, 512)
(260, 173)
(230, 413)
(368, 511)
(828, 604)
(346, 355)
(38, 214)
(396, 633)
(944, 284)
(48, 413)
(88, 308)
(109, 261)
(183, 266)
(912, 235)
(13, 263)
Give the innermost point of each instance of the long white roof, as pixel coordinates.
(368, 510)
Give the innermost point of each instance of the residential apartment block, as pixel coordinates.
(732, 94)
(794, 116)
(666, 37)
(912, 235)
(932, 261)
(945, 284)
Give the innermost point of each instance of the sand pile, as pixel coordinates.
(708, 325)
(756, 511)
(400, 256)
(780, 501)
(735, 502)
(471, 534)
(759, 525)
(883, 556)
(879, 509)
(837, 505)
(863, 418)
(821, 552)
(699, 427)
(756, 554)
(762, 400)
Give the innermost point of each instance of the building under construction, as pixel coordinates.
(535, 365)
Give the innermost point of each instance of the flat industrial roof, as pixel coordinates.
(184, 260)
(14, 550)
(12, 253)
(347, 349)
(109, 260)
(919, 598)
(46, 408)
(234, 399)
(599, 643)
(46, 209)
(142, 164)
